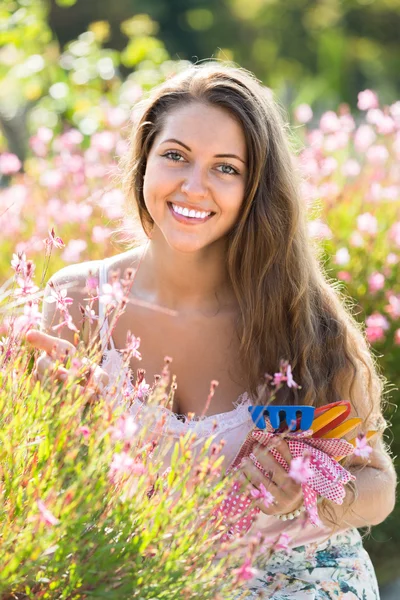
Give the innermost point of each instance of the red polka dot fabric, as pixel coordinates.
(327, 480)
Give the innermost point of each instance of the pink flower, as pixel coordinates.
(18, 263)
(278, 379)
(351, 168)
(125, 428)
(26, 287)
(45, 515)
(83, 430)
(91, 284)
(72, 252)
(103, 141)
(245, 572)
(367, 99)
(318, 229)
(367, 223)
(30, 318)
(300, 470)
(329, 122)
(112, 293)
(303, 113)
(132, 346)
(394, 233)
(142, 390)
(377, 324)
(289, 379)
(283, 542)
(53, 241)
(344, 276)
(123, 464)
(377, 155)
(263, 494)
(342, 256)
(88, 313)
(362, 448)
(68, 322)
(376, 282)
(100, 234)
(364, 137)
(9, 163)
(60, 297)
(397, 337)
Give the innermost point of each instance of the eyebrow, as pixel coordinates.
(216, 155)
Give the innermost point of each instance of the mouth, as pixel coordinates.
(189, 217)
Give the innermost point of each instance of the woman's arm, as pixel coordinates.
(375, 491)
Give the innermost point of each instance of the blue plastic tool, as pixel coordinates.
(294, 417)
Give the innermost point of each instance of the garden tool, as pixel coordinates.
(328, 476)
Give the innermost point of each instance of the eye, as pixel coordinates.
(228, 169)
(173, 155)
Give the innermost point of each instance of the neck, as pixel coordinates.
(195, 281)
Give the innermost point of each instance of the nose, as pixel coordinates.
(194, 184)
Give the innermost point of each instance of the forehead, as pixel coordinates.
(203, 125)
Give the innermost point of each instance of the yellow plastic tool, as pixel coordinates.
(342, 429)
(327, 417)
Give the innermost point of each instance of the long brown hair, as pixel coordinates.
(288, 308)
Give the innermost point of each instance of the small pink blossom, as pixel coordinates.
(9, 163)
(377, 155)
(83, 430)
(283, 542)
(329, 122)
(245, 572)
(362, 449)
(300, 470)
(364, 137)
(393, 308)
(123, 464)
(45, 515)
(89, 314)
(303, 113)
(367, 99)
(396, 338)
(125, 428)
(112, 293)
(26, 288)
(289, 378)
(376, 282)
(377, 324)
(68, 322)
(53, 241)
(278, 379)
(18, 263)
(351, 168)
(103, 141)
(142, 390)
(342, 256)
(100, 234)
(72, 252)
(263, 494)
(344, 276)
(31, 318)
(60, 297)
(367, 223)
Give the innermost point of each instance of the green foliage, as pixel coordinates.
(69, 530)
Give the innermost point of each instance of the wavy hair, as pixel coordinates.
(288, 307)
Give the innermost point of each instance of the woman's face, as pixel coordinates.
(196, 176)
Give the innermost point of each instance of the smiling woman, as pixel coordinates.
(237, 286)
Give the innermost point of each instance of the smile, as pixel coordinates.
(185, 215)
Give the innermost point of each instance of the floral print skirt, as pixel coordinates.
(338, 569)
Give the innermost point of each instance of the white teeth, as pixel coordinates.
(190, 213)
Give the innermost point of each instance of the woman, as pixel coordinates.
(228, 261)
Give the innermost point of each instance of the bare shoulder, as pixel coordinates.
(73, 279)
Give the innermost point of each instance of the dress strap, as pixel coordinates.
(102, 320)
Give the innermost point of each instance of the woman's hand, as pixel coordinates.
(56, 349)
(287, 494)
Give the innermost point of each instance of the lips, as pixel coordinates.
(189, 220)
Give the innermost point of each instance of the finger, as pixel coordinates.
(279, 475)
(45, 364)
(49, 343)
